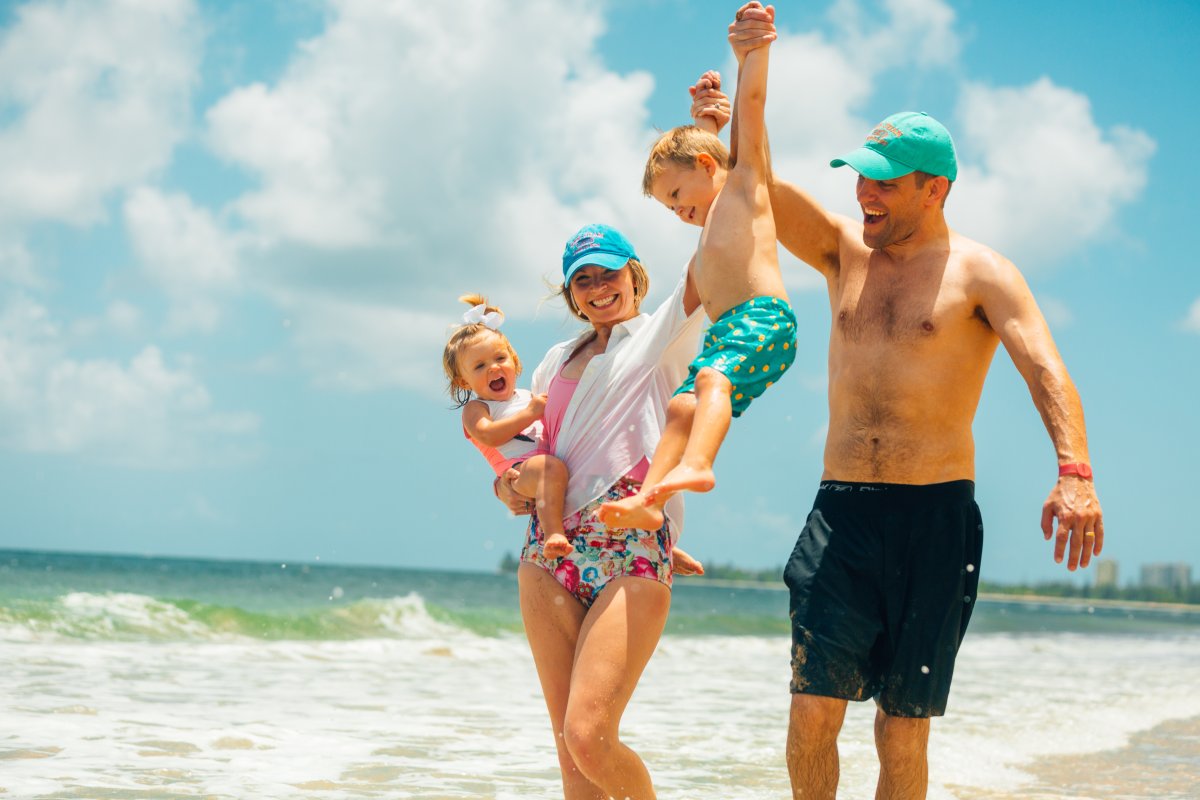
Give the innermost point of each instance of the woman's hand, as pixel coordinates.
(517, 503)
(710, 106)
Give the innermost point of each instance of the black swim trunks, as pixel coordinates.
(883, 580)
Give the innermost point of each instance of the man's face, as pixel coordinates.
(687, 191)
(891, 209)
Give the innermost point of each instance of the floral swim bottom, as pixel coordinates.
(600, 555)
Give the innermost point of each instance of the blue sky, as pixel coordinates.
(232, 235)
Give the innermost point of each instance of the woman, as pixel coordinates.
(594, 617)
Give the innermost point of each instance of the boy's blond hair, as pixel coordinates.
(681, 146)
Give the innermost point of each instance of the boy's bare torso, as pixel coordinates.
(737, 259)
(909, 349)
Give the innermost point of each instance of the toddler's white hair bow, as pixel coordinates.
(479, 314)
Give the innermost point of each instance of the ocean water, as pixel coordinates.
(163, 678)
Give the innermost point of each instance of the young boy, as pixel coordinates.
(736, 269)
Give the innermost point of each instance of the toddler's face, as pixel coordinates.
(687, 191)
(486, 366)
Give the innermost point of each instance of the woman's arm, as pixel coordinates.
(516, 502)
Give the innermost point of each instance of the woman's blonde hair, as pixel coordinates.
(641, 285)
(463, 336)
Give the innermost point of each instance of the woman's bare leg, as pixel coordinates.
(619, 634)
(553, 619)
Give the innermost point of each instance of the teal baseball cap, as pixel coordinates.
(602, 245)
(904, 143)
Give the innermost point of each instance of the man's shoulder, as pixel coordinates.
(978, 259)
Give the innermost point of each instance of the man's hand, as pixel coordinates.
(710, 106)
(753, 26)
(1073, 502)
(517, 503)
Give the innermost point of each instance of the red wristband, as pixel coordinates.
(1082, 470)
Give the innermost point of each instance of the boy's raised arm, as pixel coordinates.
(806, 229)
(748, 138)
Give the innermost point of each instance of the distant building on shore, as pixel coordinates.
(1176, 575)
(1106, 572)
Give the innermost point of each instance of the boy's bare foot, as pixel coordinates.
(631, 512)
(556, 546)
(684, 564)
(682, 479)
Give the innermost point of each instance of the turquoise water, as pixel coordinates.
(130, 677)
(314, 601)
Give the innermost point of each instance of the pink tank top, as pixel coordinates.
(558, 397)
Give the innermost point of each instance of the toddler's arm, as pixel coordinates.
(479, 425)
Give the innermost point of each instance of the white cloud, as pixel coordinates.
(379, 199)
(817, 438)
(1036, 189)
(184, 251)
(98, 94)
(1057, 313)
(358, 346)
(1041, 178)
(120, 317)
(919, 32)
(123, 317)
(377, 192)
(1192, 321)
(142, 413)
(16, 264)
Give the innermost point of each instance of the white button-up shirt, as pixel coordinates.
(616, 415)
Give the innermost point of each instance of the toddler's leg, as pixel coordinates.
(714, 410)
(544, 478)
(639, 511)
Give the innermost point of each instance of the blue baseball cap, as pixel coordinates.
(904, 143)
(597, 244)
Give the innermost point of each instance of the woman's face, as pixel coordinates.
(604, 296)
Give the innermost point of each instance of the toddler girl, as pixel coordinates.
(504, 422)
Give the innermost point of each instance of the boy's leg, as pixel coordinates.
(636, 511)
(710, 423)
(544, 478)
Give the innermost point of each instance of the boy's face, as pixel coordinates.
(486, 367)
(688, 191)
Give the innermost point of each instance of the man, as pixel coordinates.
(883, 577)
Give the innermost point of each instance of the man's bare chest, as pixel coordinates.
(878, 308)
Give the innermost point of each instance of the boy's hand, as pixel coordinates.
(753, 26)
(710, 106)
(537, 405)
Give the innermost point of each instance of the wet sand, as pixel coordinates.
(1162, 763)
